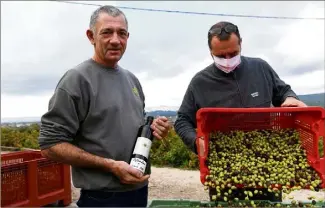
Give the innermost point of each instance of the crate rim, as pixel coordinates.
(26, 162)
(6, 166)
(260, 110)
(16, 153)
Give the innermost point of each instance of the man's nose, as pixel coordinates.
(115, 39)
(228, 56)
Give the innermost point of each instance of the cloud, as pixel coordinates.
(171, 90)
(168, 37)
(309, 83)
(306, 67)
(302, 45)
(24, 106)
(42, 40)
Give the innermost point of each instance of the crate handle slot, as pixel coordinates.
(316, 126)
(200, 141)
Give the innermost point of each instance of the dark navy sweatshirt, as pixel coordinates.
(253, 83)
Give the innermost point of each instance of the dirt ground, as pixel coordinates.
(170, 183)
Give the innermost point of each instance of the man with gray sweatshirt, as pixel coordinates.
(93, 120)
(232, 81)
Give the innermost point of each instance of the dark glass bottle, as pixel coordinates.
(142, 146)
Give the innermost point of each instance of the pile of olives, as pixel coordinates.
(257, 165)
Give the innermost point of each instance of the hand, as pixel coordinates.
(161, 127)
(127, 174)
(199, 143)
(293, 102)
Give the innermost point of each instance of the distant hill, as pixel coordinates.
(167, 113)
(317, 99)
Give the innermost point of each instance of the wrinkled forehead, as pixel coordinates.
(106, 21)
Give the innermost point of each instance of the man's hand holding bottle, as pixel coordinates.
(133, 174)
(127, 174)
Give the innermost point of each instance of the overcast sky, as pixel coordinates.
(40, 41)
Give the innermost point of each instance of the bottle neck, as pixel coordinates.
(147, 132)
(149, 120)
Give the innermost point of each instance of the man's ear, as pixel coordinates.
(240, 44)
(211, 54)
(90, 36)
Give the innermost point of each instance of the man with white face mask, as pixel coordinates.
(232, 81)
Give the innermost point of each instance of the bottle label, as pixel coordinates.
(142, 146)
(139, 164)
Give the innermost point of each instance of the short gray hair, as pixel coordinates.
(108, 9)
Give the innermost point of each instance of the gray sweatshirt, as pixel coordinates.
(99, 110)
(252, 84)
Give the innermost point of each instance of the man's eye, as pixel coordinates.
(107, 32)
(123, 33)
(234, 54)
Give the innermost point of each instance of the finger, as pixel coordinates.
(158, 131)
(163, 123)
(154, 123)
(284, 104)
(163, 118)
(287, 104)
(134, 172)
(129, 179)
(292, 104)
(144, 178)
(301, 104)
(156, 128)
(160, 128)
(132, 180)
(157, 135)
(127, 182)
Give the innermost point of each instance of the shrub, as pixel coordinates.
(21, 137)
(172, 152)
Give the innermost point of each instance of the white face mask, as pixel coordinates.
(227, 65)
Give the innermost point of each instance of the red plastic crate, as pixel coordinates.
(308, 121)
(28, 179)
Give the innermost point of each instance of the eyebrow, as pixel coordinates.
(109, 29)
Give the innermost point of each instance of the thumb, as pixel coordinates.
(284, 104)
(145, 177)
(134, 172)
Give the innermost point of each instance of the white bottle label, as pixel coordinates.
(142, 147)
(139, 164)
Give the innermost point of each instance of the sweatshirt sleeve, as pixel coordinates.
(281, 90)
(61, 122)
(185, 123)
